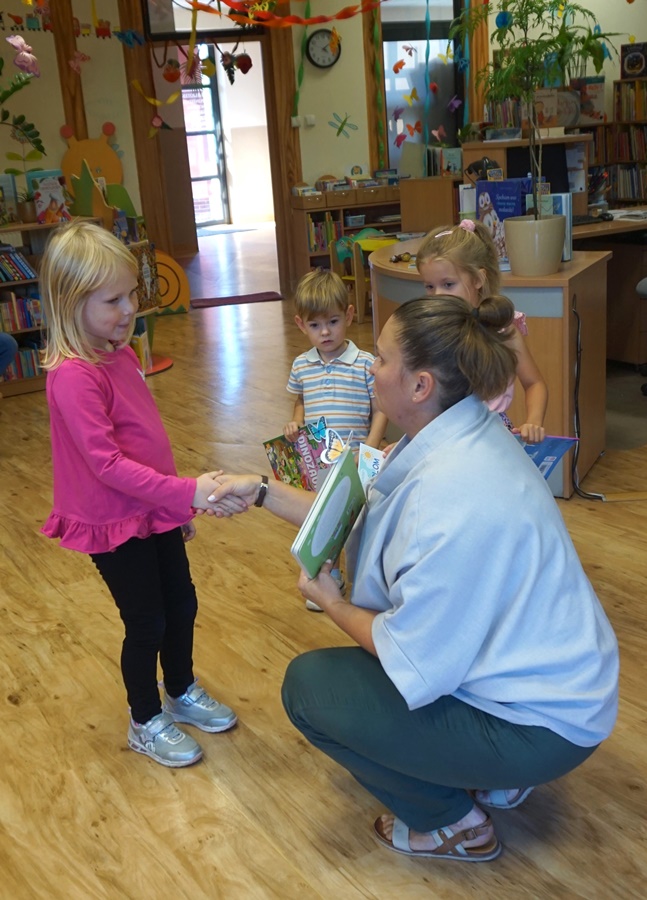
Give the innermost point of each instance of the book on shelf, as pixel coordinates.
(296, 462)
(496, 201)
(50, 197)
(331, 517)
(19, 313)
(633, 60)
(8, 200)
(14, 266)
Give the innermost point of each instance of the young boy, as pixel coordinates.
(332, 379)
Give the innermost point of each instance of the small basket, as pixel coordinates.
(355, 221)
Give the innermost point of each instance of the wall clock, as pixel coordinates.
(320, 51)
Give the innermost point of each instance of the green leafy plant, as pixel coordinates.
(540, 43)
(19, 123)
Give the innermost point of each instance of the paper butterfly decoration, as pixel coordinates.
(397, 113)
(400, 139)
(318, 429)
(400, 64)
(77, 59)
(411, 97)
(24, 58)
(413, 128)
(454, 103)
(130, 38)
(409, 49)
(334, 447)
(445, 57)
(439, 133)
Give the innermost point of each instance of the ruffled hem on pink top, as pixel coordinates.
(87, 538)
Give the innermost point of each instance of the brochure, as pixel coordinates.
(369, 461)
(331, 517)
(547, 453)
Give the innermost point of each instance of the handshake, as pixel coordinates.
(223, 495)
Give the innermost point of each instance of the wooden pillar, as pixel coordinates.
(150, 169)
(479, 58)
(375, 99)
(285, 159)
(71, 89)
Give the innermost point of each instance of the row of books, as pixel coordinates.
(20, 313)
(322, 232)
(631, 101)
(628, 182)
(444, 161)
(26, 364)
(14, 266)
(631, 145)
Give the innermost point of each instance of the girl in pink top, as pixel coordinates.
(117, 495)
(462, 262)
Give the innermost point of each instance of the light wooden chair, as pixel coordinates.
(358, 289)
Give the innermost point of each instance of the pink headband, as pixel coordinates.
(465, 224)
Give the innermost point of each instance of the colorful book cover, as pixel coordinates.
(497, 201)
(297, 463)
(369, 461)
(557, 205)
(8, 200)
(591, 94)
(331, 517)
(547, 453)
(49, 194)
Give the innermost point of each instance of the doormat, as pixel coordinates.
(261, 297)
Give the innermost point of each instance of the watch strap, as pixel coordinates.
(262, 491)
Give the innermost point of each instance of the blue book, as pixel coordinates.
(497, 201)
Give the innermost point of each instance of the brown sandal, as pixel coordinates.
(449, 845)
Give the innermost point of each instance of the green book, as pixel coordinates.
(331, 517)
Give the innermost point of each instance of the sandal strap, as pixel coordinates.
(446, 840)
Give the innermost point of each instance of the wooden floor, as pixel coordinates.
(263, 815)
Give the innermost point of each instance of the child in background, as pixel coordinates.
(462, 262)
(117, 496)
(333, 378)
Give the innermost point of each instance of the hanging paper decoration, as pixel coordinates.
(400, 139)
(460, 61)
(454, 103)
(398, 66)
(157, 123)
(446, 57)
(411, 97)
(335, 41)
(24, 58)
(191, 69)
(77, 59)
(397, 113)
(130, 38)
(171, 71)
(342, 124)
(412, 129)
(153, 100)
(439, 133)
(243, 63)
(433, 87)
(248, 12)
(409, 49)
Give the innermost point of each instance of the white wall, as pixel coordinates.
(340, 90)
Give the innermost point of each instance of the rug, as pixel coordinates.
(261, 297)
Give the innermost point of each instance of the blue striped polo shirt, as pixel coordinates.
(341, 390)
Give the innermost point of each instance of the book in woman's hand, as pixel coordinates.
(331, 516)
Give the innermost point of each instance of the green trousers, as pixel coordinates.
(418, 763)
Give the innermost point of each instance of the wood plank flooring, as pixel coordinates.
(263, 815)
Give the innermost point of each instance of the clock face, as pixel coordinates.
(318, 49)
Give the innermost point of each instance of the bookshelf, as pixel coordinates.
(620, 146)
(498, 151)
(318, 219)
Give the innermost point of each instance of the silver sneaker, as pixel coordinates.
(163, 742)
(196, 707)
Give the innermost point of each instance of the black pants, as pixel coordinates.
(150, 582)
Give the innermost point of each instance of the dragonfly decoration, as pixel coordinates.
(342, 124)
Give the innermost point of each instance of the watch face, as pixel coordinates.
(319, 50)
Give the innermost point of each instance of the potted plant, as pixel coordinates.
(537, 43)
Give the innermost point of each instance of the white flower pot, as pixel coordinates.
(534, 247)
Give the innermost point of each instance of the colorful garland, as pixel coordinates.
(250, 12)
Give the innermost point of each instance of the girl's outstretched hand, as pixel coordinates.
(233, 494)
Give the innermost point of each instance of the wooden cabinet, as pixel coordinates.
(498, 151)
(427, 203)
(318, 219)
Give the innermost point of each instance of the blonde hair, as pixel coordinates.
(464, 347)
(319, 293)
(79, 258)
(472, 252)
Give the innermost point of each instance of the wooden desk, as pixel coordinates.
(626, 311)
(548, 302)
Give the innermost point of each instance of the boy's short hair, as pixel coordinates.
(320, 292)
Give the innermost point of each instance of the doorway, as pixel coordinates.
(227, 143)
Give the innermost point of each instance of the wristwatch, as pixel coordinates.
(262, 491)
